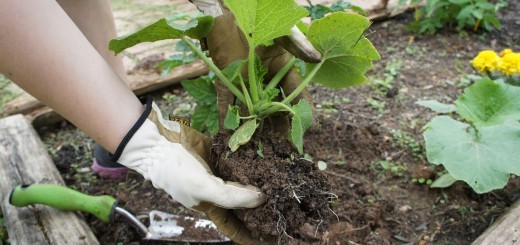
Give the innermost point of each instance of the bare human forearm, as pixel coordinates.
(47, 55)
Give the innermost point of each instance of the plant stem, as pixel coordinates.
(303, 85)
(281, 74)
(215, 70)
(275, 106)
(251, 71)
(249, 104)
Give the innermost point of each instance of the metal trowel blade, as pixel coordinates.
(171, 227)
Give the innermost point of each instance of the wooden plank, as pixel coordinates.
(505, 230)
(24, 160)
(140, 83)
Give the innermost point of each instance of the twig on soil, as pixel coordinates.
(355, 181)
(355, 229)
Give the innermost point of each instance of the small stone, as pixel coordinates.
(423, 242)
(84, 170)
(405, 208)
(322, 165)
(426, 238)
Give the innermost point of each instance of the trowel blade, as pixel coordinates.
(171, 227)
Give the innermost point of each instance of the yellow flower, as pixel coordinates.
(506, 51)
(486, 61)
(510, 64)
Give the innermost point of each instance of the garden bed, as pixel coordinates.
(370, 138)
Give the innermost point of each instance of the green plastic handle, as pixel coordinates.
(63, 198)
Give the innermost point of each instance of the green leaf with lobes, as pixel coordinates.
(264, 20)
(487, 103)
(242, 135)
(301, 121)
(232, 120)
(346, 54)
(484, 159)
(162, 30)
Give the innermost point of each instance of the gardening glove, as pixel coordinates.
(226, 44)
(174, 157)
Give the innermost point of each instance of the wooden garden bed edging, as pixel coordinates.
(24, 160)
(505, 230)
(140, 83)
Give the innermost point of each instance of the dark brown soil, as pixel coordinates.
(361, 128)
(297, 192)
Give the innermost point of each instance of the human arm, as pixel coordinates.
(43, 51)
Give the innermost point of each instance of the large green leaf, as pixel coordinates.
(483, 159)
(347, 54)
(164, 29)
(487, 102)
(242, 135)
(301, 121)
(264, 20)
(232, 120)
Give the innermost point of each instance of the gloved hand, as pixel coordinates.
(174, 157)
(226, 44)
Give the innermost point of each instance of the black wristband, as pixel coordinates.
(148, 102)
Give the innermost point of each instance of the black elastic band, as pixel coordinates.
(148, 100)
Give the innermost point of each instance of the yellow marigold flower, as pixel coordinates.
(486, 61)
(506, 51)
(510, 64)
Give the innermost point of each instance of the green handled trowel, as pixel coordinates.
(163, 226)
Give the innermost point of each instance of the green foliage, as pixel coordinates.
(242, 135)
(436, 106)
(346, 57)
(6, 94)
(264, 20)
(185, 56)
(205, 117)
(346, 54)
(446, 180)
(164, 29)
(301, 121)
(458, 14)
(318, 11)
(482, 150)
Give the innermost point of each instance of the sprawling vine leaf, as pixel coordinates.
(164, 29)
(264, 20)
(347, 54)
(242, 135)
(205, 116)
(436, 106)
(487, 102)
(446, 180)
(301, 121)
(484, 159)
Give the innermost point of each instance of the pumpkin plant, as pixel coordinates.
(346, 53)
(296, 192)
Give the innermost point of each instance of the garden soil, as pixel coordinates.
(370, 138)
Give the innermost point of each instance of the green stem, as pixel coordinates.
(252, 76)
(215, 70)
(273, 107)
(281, 74)
(249, 103)
(303, 85)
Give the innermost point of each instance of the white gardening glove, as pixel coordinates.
(171, 155)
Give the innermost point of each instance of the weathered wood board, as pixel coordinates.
(140, 83)
(24, 160)
(505, 230)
